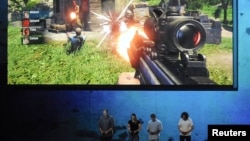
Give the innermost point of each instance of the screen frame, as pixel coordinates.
(234, 86)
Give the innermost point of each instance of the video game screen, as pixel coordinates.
(100, 52)
(116, 44)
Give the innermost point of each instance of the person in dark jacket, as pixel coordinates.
(134, 127)
(106, 126)
(76, 42)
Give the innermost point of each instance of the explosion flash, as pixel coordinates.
(110, 21)
(125, 38)
(123, 34)
(72, 15)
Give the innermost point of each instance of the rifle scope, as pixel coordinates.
(185, 35)
(178, 33)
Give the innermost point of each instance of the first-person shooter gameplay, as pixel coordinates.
(130, 42)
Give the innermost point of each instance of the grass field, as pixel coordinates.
(220, 61)
(49, 64)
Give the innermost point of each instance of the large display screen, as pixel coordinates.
(112, 44)
(67, 113)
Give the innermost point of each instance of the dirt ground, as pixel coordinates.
(225, 59)
(222, 59)
(226, 33)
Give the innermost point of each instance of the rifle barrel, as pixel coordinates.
(148, 76)
(162, 76)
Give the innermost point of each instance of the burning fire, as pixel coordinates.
(72, 15)
(124, 39)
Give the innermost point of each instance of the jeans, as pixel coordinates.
(105, 138)
(185, 138)
(155, 140)
(133, 137)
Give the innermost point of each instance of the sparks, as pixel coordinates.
(111, 20)
(118, 31)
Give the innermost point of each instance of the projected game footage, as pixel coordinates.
(31, 25)
(120, 43)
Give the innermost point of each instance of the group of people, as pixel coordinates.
(154, 127)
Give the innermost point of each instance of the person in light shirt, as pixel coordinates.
(185, 127)
(154, 128)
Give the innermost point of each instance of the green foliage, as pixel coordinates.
(214, 11)
(153, 2)
(209, 7)
(25, 1)
(225, 46)
(194, 4)
(31, 3)
(16, 5)
(19, 5)
(217, 13)
(212, 2)
(218, 61)
(49, 64)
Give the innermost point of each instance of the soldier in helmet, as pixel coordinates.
(76, 42)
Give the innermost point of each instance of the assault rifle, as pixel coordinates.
(169, 54)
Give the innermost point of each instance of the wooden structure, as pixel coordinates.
(61, 8)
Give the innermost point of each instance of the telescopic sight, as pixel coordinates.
(188, 36)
